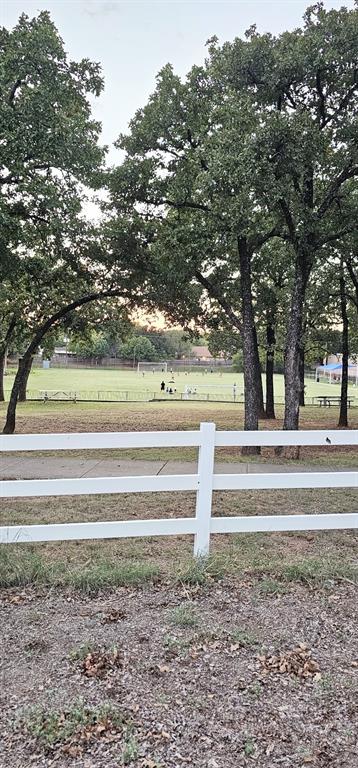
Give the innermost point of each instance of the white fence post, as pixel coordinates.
(205, 489)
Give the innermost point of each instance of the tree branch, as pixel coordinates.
(61, 313)
(214, 293)
(352, 274)
(289, 219)
(186, 204)
(256, 241)
(343, 103)
(354, 278)
(335, 236)
(12, 93)
(321, 116)
(9, 332)
(9, 179)
(347, 173)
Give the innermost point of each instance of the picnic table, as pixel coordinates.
(326, 401)
(57, 394)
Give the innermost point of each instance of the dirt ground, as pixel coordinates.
(221, 675)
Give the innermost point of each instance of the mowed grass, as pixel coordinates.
(103, 380)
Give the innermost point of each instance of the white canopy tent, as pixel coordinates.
(333, 372)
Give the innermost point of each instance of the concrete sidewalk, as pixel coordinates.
(29, 468)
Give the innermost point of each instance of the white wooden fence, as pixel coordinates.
(204, 482)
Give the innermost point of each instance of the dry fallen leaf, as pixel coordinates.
(114, 616)
(98, 663)
(298, 662)
(159, 669)
(72, 750)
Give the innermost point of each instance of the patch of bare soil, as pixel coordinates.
(212, 676)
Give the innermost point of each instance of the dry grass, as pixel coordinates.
(274, 553)
(93, 565)
(75, 509)
(109, 417)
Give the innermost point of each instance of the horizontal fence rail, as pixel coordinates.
(203, 483)
(89, 486)
(98, 440)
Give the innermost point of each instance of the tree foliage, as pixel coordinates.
(258, 143)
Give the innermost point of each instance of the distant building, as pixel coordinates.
(201, 353)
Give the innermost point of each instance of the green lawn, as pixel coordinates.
(91, 381)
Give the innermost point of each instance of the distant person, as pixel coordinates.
(170, 391)
(234, 391)
(162, 386)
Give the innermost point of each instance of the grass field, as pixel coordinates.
(102, 380)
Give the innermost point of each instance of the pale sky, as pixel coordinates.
(134, 39)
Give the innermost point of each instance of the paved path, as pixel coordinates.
(29, 468)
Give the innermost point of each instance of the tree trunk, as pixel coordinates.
(21, 376)
(23, 385)
(292, 355)
(249, 343)
(343, 413)
(292, 352)
(3, 354)
(301, 366)
(270, 359)
(258, 377)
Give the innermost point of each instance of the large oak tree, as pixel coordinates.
(260, 142)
